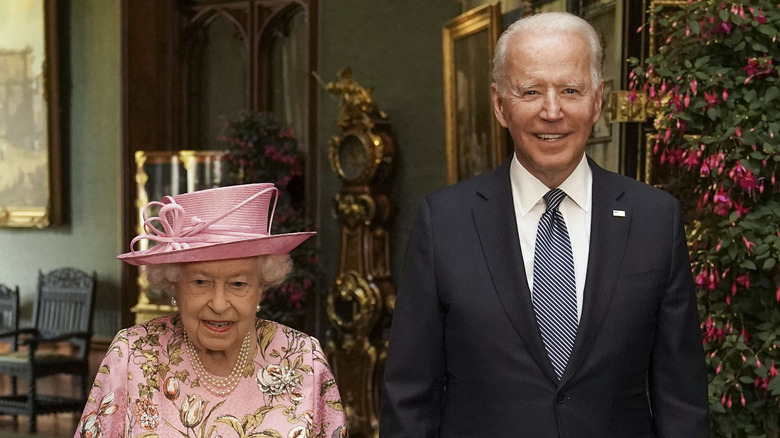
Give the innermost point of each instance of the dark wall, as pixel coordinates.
(394, 47)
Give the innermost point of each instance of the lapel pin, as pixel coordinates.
(619, 213)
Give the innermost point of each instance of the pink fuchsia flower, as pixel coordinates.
(738, 11)
(722, 203)
(672, 155)
(707, 279)
(724, 27)
(691, 160)
(748, 244)
(748, 182)
(753, 67)
(712, 333)
(704, 170)
(740, 209)
(743, 280)
(716, 161)
(757, 67)
(694, 86)
(711, 98)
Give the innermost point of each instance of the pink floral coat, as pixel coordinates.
(146, 387)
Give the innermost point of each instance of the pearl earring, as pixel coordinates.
(258, 308)
(173, 301)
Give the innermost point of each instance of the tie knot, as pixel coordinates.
(553, 198)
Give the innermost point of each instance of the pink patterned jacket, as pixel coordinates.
(146, 387)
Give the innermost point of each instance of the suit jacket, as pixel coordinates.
(466, 357)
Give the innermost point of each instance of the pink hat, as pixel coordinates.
(215, 224)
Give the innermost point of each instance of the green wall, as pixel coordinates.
(90, 240)
(394, 47)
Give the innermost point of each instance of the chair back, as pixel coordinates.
(65, 304)
(9, 313)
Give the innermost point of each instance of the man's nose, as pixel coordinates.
(551, 107)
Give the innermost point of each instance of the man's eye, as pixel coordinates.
(570, 91)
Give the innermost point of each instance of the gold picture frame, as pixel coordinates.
(475, 141)
(30, 131)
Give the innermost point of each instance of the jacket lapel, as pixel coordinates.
(494, 218)
(608, 236)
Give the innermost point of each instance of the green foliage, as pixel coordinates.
(714, 82)
(261, 150)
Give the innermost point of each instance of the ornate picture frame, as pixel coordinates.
(475, 141)
(30, 130)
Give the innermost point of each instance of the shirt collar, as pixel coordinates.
(528, 190)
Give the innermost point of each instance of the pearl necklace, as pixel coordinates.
(215, 385)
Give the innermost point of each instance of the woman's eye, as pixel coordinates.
(238, 284)
(200, 282)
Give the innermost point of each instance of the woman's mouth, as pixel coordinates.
(218, 326)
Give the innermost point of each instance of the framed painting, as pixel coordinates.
(475, 141)
(30, 143)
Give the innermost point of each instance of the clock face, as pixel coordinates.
(353, 158)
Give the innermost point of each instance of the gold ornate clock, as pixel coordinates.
(356, 155)
(362, 297)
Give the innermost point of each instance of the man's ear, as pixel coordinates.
(598, 102)
(498, 105)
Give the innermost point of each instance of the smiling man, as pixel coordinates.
(549, 297)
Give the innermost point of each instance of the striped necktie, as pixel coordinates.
(554, 294)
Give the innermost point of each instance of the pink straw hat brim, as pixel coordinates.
(273, 244)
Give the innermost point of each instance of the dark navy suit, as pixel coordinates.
(466, 357)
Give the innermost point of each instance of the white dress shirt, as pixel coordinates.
(527, 193)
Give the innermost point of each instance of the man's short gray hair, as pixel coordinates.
(549, 22)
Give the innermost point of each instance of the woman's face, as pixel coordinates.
(217, 301)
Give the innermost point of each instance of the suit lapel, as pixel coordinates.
(494, 218)
(608, 236)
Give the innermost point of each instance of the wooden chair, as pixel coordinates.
(62, 322)
(9, 322)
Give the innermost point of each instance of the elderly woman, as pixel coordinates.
(214, 369)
